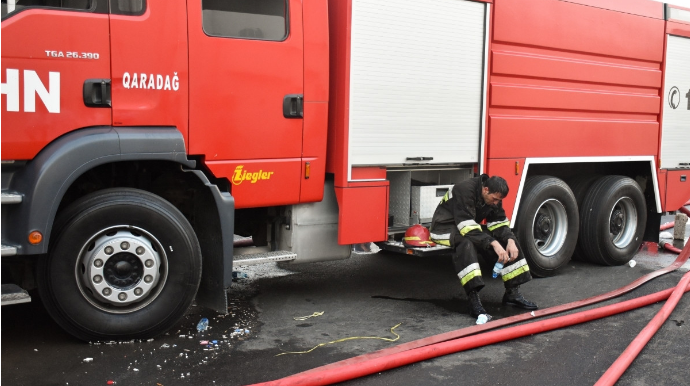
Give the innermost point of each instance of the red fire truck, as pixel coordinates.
(141, 137)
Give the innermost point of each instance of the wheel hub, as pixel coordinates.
(543, 226)
(623, 222)
(550, 227)
(121, 268)
(617, 221)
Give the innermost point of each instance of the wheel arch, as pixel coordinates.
(45, 179)
(640, 168)
(64, 171)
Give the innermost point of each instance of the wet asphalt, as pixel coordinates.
(364, 296)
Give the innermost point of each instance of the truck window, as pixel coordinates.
(248, 19)
(127, 7)
(11, 7)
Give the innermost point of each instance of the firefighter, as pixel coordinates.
(456, 224)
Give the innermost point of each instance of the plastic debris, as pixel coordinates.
(632, 263)
(183, 336)
(315, 314)
(214, 341)
(111, 382)
(483, 318)
(203, 342)
(87, 360)
(202, 325)
(149, 340)
(665, 235)
(135, 369)
(532, 313)
(165, 345)
(239, 275)
(35, 349)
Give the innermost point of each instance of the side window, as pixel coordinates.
(249, 19)
(10, 7)
(127, 7)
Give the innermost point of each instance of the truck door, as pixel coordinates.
(47, 57)
(246, 79)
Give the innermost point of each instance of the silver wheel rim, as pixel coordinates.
(550, 227)
(623, 222)
(121, 269)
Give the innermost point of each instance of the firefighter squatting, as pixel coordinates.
(456, 223)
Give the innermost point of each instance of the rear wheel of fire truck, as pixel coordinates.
(547, 224)
(123, 264)
(580, 186)
(613, 217)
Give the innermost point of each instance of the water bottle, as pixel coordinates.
(202, 325)
(483, 318)
(239, 275)
(497, 269)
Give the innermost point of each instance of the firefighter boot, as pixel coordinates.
(476, 307)
(513, 297)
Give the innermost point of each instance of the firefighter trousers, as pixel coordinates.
(468, 270)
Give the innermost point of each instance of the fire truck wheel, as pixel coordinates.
(122, 264)
(613, 217)
(547, 224)
(580, 186)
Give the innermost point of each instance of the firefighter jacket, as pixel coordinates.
(464, 208)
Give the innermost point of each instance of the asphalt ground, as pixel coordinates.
(365, 295)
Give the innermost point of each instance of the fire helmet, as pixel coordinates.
(418, 236)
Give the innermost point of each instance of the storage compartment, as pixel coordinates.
(414, 194)
(424, 200)
(411, 75)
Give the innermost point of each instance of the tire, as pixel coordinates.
(122, 264)
(580, 186)
(613, 218)
(547, 224)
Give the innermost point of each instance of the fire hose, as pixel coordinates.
(625, 359)
(460, 340)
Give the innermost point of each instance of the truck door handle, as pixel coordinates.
(293, 106)
(97, 93)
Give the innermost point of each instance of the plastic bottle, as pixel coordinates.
(497, 269)
(239, 275)
(202, 325)
(483, 318)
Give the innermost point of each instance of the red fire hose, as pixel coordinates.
(449, 343)
(667, 225)
(343, 373)
(625, 359)
(670, 247)
(684, 210)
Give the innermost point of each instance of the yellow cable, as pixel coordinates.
(350, 338)
(309, 316)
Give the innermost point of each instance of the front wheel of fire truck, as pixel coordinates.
(613, 217)
(547, 224)
(123, 264)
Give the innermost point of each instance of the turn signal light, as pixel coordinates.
(307, 170)
(35, 237)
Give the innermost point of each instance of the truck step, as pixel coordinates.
(263, 257)
(8, 250)
(13, 294)
(11, 197)
(398, 247)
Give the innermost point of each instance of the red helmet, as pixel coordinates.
(418, 236)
